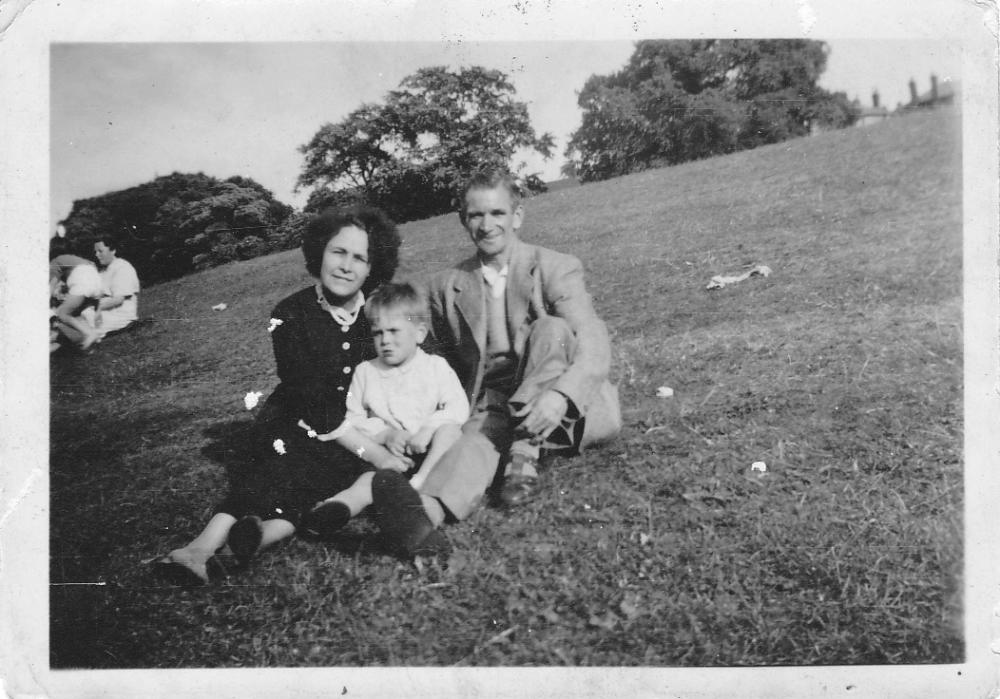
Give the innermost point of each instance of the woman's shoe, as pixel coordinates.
(245, 537)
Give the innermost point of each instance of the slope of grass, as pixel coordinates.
(841, 371)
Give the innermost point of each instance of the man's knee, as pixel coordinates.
(461, 477)
(550, 327)
(449, 431)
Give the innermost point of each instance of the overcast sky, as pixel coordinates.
(122, 114)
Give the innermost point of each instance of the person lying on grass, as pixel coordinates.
(517, 325)
(303, 452)
(405, 399)
(74, 289)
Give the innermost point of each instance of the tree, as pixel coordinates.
(410, 155)
(682, 100)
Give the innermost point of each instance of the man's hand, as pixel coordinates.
(543, 414)
(396, 442)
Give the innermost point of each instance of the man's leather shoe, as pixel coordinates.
(519, 487)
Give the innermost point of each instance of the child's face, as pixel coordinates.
(396, 336)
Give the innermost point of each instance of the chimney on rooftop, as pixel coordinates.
(875, 99)
(913, 92)
(934, 91)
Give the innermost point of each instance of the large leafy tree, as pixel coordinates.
(181, 222)
(682, 100)
(410, 154)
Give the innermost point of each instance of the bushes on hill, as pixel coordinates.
(683, 100)
(180, 223)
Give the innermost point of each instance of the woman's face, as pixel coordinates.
(345, 264)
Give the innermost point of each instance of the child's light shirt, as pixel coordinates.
(423, 392)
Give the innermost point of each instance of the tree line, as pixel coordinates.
(672, 102)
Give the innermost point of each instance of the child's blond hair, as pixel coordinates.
(399, 297)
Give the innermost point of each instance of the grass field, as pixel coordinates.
(842, 371)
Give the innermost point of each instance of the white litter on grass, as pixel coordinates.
(279, 446)
(251, 399)
(664, 392)
(219, 307)
(759, 467)
(719, 281)
(275, 322)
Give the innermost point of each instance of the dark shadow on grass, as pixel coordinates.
(231, 444)
(359, 538)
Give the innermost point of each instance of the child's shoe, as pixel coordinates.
(402, 519)
(326, 518)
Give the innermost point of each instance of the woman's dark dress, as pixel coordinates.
(316, 358)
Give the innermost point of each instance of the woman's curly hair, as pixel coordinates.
(383, 241)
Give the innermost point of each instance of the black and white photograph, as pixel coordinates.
(507, 349)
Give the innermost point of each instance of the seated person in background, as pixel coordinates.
(119, 303)
(74, 287)
(409, 401)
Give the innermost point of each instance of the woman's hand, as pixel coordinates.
(391, 462)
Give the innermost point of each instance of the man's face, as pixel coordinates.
(103, 253)
(492, 220)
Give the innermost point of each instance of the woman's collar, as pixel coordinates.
(345, 313)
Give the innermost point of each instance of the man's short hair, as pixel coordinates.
(400, 297)
(488, 179)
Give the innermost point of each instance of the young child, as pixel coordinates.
(405, 399)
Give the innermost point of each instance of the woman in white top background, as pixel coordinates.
(119, 302)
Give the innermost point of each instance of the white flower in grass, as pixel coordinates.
(250, 399)
(275, 322)
(279, 446)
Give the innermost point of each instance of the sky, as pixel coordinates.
(124, 113)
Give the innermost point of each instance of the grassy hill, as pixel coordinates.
(842, 371)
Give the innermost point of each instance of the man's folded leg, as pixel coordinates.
(460, 479)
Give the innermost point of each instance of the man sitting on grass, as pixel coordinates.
(518, 327)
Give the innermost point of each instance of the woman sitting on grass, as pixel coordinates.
(304, 452)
